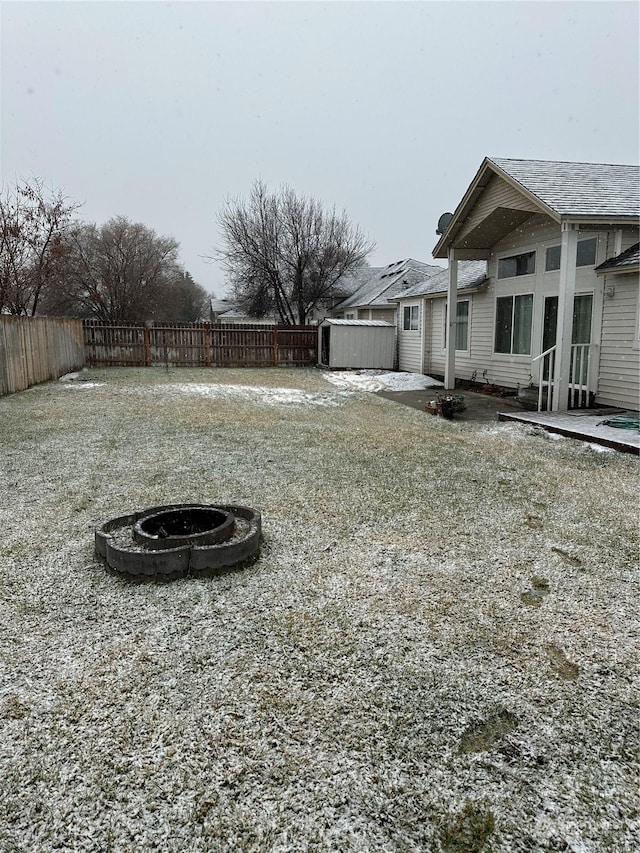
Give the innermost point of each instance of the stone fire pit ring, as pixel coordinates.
(179, 539)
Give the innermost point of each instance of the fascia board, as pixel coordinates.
(621, 270)
(443, 243)
(587, 221)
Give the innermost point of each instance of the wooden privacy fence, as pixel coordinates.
(199, 345)
(36, 349)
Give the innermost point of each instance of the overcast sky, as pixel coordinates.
(159, 111)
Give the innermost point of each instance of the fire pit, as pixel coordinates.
(179, 539)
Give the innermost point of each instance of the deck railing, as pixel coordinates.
(580, 377)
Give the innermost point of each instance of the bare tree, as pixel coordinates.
(284, 253)
(121, 271)
(33, 222)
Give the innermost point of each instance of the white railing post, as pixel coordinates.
(550, 356)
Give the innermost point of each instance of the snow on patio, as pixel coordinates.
(434, 651)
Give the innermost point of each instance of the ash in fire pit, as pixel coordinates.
(179, 539)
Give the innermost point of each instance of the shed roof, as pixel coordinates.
(471, 274)
(334, 322)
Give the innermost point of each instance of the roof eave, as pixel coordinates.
(621, 270)
(477, 288)
(601, 219)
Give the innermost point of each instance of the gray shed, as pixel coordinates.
(357, 343)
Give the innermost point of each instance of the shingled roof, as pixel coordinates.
(471, 274)
(387, 282)
(625, 262)
(577, 189)
(582, 193)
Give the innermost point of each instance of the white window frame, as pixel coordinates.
(555, 244)
(444, 324)
(411, 318)
(514, 296)
(503, 256)
(458, 303)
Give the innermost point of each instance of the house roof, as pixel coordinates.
(566, 192)
(627, 261)
(387, 282)
(577, 189)
(349, 284)
(471, 274)
(220, 305)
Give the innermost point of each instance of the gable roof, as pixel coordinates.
(471, 274)
(627, 261)
(388, 281)
(577, 189)
(350, 283)
(564, 191)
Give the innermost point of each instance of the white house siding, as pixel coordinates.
(537, 233)
(620, 349)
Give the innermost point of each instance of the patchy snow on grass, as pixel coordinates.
(79, 379)
(83, 384)
(435, 649)
(257, 394)
(381, 380)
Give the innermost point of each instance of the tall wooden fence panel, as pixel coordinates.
(200, 345)
(36, 349)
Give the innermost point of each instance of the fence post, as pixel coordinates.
(207, 344)
(275, 346)
(147, 347)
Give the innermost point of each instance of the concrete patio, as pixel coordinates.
(581, 424)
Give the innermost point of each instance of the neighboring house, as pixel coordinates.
(341, 290)
(560, 306)
(218, 307)
(371, 300)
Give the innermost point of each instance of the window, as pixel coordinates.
(411, 318)
(524, 264)
(552, 260)
(349, 316)
(462, 326)
(585, 255)
(514, 315)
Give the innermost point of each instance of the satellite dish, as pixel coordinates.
(444, 222)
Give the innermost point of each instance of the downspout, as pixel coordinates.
(423, 332)
(566, 293)
(452, 305)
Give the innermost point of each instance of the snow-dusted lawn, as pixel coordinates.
(433, 652)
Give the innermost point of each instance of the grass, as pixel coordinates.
(434, 650)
